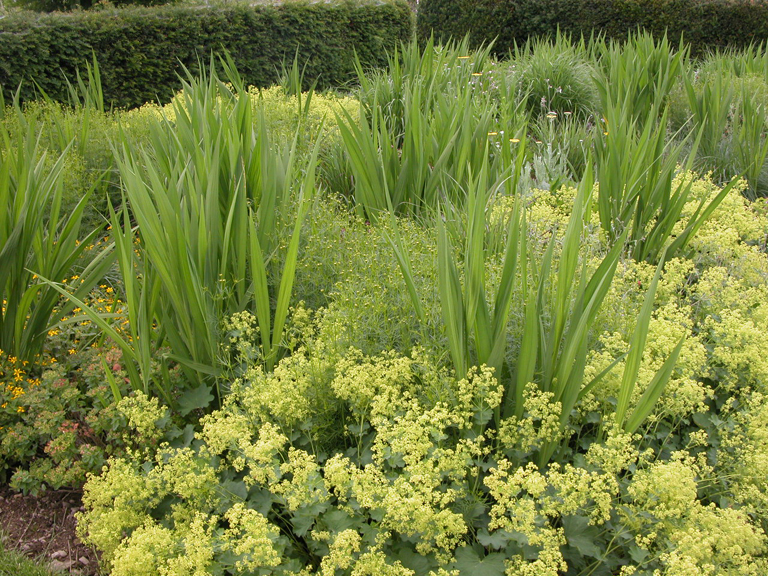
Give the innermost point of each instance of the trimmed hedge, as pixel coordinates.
(704, 24)
(140, 50)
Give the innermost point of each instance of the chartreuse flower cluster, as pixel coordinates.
(343, 463)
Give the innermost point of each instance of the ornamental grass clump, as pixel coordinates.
(554, 76)
(415, 168)
(419, 125)
(217, 164)
(211, 197)
(728, 107)
(639, 194)
(638, 75)
(437, 69)
(710, 100)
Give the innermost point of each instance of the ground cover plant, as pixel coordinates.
(475, 316)
(15, 563)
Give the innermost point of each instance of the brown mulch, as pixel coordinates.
(43, 527)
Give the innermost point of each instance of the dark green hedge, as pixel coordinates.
(705, 24)
(140, 49)
(65, 5)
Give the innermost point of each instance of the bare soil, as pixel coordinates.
(43, 527)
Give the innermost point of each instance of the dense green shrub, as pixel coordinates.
(482, 20)
(63, 5)
(704, 25)
(141, 51)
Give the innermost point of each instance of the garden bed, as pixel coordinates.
(473, 317)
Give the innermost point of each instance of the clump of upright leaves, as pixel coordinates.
(210, 197)
(37, 239)
(639, 193)
(555, 76)
(419, 127)
(638, 75)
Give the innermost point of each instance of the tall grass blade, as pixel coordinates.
(452, 302)
(654, 390)
(636, 347)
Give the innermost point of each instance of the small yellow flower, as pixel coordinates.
(72, 351)
(20, 409)
(492, 133)
(477, 73)
(514, 140)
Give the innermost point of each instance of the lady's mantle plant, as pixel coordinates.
(414, 482)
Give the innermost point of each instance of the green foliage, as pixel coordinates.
(89, 384)
(466, 312)
(412, 175)
(555, 76)
(346, 266)
(704, 25)
(640, 194)
(638, 76)
(480, 21)
(415, 143)
(431, 71)
(12, 562)
(726, 103)
(209, 198)
(142, 51)
(59, 418)
(560, 149)
(68, 5)
(502, 384)
(38, 239)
